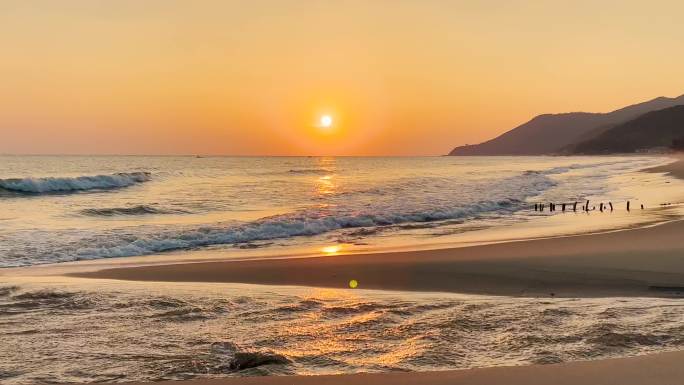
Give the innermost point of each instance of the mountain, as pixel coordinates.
(551, 133)
(662, 128)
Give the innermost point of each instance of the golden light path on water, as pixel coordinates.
(193, 330)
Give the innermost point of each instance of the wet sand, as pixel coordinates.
(675, 169)
(657, 369)
(638, 262)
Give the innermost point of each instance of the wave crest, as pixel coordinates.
(314, 171)
(511, 195)
(277, 227)
(132, 210)
(67, 184)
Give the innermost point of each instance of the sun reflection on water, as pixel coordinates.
(331, 249)
(325, 185)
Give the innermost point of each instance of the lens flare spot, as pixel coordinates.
(353, 283)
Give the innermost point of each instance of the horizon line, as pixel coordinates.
(229, 155)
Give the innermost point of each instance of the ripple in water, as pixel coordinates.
(68, 335)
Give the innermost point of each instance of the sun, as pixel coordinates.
(326, 121)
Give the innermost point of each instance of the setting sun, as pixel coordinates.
(326, 121)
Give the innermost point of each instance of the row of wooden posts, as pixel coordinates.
(584, 207)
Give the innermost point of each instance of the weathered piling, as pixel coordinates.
(611, 205)
(574, 206)
(627, 205)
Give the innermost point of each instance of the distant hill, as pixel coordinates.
(662, 128)
(552, 133)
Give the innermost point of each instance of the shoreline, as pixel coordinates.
(654, 369)
(644, 261)
(674, 169)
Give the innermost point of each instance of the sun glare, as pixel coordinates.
(331, 249)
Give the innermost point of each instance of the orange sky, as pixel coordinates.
(254, 77)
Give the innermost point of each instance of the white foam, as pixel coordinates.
(65, 184)
(308, 222)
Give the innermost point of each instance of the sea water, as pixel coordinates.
(69, 208)
(107, 331)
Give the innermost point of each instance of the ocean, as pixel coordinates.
(57, 329)
(71, 208)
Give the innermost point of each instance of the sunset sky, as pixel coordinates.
(255, 77)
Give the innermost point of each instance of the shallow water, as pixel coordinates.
(66, 208)
(102, 331)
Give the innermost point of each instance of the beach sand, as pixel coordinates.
(639, 262)
(657, 369)
(675, 169)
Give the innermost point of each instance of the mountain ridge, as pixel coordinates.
(660, 128)
(553, 133)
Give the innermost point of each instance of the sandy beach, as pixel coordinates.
(639, 262)
(675, 169)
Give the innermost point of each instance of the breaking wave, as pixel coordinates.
(313, 171)
(133, 210)
(278, 227)
(506, 196)
(304, 223)
(66, 184)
